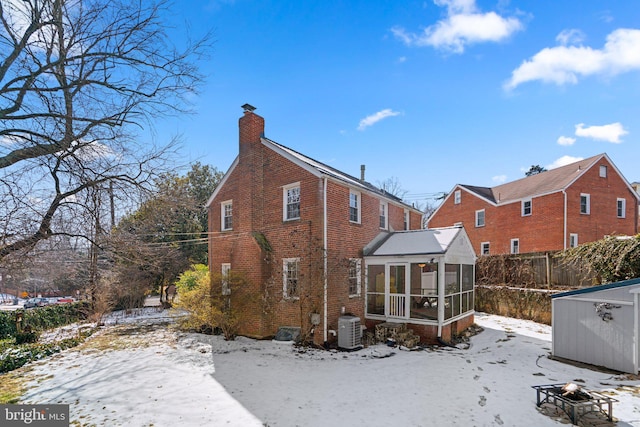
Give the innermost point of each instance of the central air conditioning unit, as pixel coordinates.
(349, 332)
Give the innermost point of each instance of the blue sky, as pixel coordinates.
(430, 93)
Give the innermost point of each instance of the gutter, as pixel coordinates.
(324, 257)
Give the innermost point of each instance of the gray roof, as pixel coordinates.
(546, 182)
(332, 172)
(415, 242)
(624, 283)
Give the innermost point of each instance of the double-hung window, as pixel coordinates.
(354, 206)
(226, 213)
(526, 207)
(383, 215)
(406, 220)
(480, 218)
(291, 201)
(603, 171)
(515, 246)
(355, 265)
(573, 240)
(621, 208)
(290, 276)
(457, 196)
(585, 204)
(485, 248)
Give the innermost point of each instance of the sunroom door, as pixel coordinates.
(397, 297)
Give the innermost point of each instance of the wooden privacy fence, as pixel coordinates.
(546, 270)
(521, 285)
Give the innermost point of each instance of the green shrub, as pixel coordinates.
(14, 357)
(7, 324)
(221, 303)
(43, 318)
(27, 336)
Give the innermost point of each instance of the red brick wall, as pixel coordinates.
(604, 193)
(543, 230)
(256, 188)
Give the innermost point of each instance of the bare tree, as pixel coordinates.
(392, 186)
(78, 79)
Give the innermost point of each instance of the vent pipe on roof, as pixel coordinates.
(361, 172)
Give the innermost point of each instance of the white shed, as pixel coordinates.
(599, 325)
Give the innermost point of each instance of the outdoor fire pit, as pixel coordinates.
(574, 401)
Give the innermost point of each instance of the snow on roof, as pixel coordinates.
(416, 242)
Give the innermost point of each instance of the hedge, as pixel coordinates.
(43, 318)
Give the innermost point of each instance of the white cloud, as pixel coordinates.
(376, 117)
(610, 133)
(564, 64)
(402, 59)
(8, 141)
(570, 37)
(566, 140)
(562, 161)
(499, 179)
(464, 25)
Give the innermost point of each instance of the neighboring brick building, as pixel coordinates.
(553, 210)
(276, 213)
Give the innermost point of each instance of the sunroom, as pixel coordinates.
(422, 278)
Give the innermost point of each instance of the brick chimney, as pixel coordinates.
(251, 168)
(251, 128)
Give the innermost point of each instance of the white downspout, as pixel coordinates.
(636, 331)
(564, 243)
(441, 278)
(324, 255)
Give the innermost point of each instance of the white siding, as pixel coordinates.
(580, 334)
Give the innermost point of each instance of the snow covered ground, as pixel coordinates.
(146, 374)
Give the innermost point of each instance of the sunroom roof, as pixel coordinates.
(416, 242)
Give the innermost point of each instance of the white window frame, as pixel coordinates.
(285, 201)
(384, 215)
(457, 197)
(407, 217)
(621, 208)
(355, 272)
(603, 171)
(478, 212)
(524, 207)
(587, 198)
(226, 268)
(573, 240)
(358, 206)
(515, 246)
(224, 216)
(286, 278)
(486, 245)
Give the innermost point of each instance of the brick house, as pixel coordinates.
(296, 229)
(553, 210)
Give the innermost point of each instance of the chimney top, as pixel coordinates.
(362, 173)
(248, 108)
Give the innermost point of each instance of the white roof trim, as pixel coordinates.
(222, 181)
